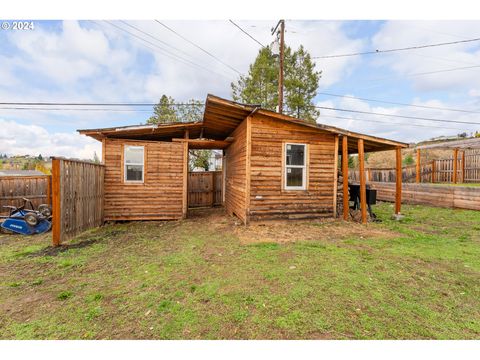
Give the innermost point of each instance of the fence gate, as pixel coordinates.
(204, 188)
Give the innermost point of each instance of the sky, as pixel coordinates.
(111, 61)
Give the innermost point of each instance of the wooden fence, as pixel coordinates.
(447, 196)
(14, 188)
(77, 197)
(435, 171)
(205, 188)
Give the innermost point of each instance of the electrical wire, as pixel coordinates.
(166, 52)
(246, 33)
(399, 116)
(399, 103)
(397, 49)
(199, 47)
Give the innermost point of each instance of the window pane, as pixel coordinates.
(134, 173)
(295, 154)
(133, 155)
(295, 177)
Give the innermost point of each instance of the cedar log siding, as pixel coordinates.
(235, 173)
(159, 197)
(268, 199)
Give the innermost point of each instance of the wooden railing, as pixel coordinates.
(14, 188)
(435, 171)
(77, 197)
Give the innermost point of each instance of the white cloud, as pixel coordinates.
(401, 129)
(398, 34)
(19, 139)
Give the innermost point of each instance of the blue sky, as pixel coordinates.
(95, 61)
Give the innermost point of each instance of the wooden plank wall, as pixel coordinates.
(205, 188)
(159, 197)
(235, 173)
(432, 195)
(268, 200)
(78, 194)
(14, 188)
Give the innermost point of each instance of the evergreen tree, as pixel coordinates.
(95, 158)
(260, 85)
(164, 112)
(191, 112)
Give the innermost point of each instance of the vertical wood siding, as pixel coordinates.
(268, 200)
(159, 197)
(78, 193)
(14, 188)
(235, 173)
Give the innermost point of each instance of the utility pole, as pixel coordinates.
(280, 73)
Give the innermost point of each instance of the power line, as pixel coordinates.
(399, 116)
(399, 103)
(246, 33)
(198, 47)
(389, 123)
(167, 52)
(93, 104)
(397, 49)
(73, 109)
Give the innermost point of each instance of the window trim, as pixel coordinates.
(286, 167)
(138, 164)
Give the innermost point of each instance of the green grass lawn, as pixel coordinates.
(200, 279)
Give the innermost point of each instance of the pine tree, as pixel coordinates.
(191, 112)
(164, 112)
(260, 85)
(96, 160)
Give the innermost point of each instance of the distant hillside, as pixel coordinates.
(25, 162)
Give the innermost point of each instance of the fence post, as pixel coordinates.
(455, 159)
(433, 171)
(418, 167)
(56, 203)
(463, 166)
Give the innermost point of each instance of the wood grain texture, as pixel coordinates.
(14, 188)
(363, 183)
(160, 196)
(268, 199)
(398, 181)
(236, 173)
(345, 178)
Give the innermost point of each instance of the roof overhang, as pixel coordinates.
(221, 118)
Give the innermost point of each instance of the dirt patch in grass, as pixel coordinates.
(293, 231)
(54, 251)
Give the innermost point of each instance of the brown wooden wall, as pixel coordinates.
(235, 168)
(160, 196)
(14, 188)
(267, 198)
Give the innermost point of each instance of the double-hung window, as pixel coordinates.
(134, 163)
(295, 166)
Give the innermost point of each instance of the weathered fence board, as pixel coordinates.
(77, 197)
(436, 171)
(433, 195)
(14, 188)
(205, 188)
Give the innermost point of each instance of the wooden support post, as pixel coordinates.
(248, 172)
(185, 180)
(455, 159)
(433, 170)
(346, 206)
(56, 203)
(418, 177)
(463, 166)
(335, 177)
(398, 181)
(363, 184)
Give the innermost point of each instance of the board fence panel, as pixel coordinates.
(14, 188)
(77, 197)
(430, 194)
(435, 171)
(205, 188)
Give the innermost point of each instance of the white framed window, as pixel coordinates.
(134, 165)
(295, 166)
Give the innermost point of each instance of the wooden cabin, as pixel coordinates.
(275, 166)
